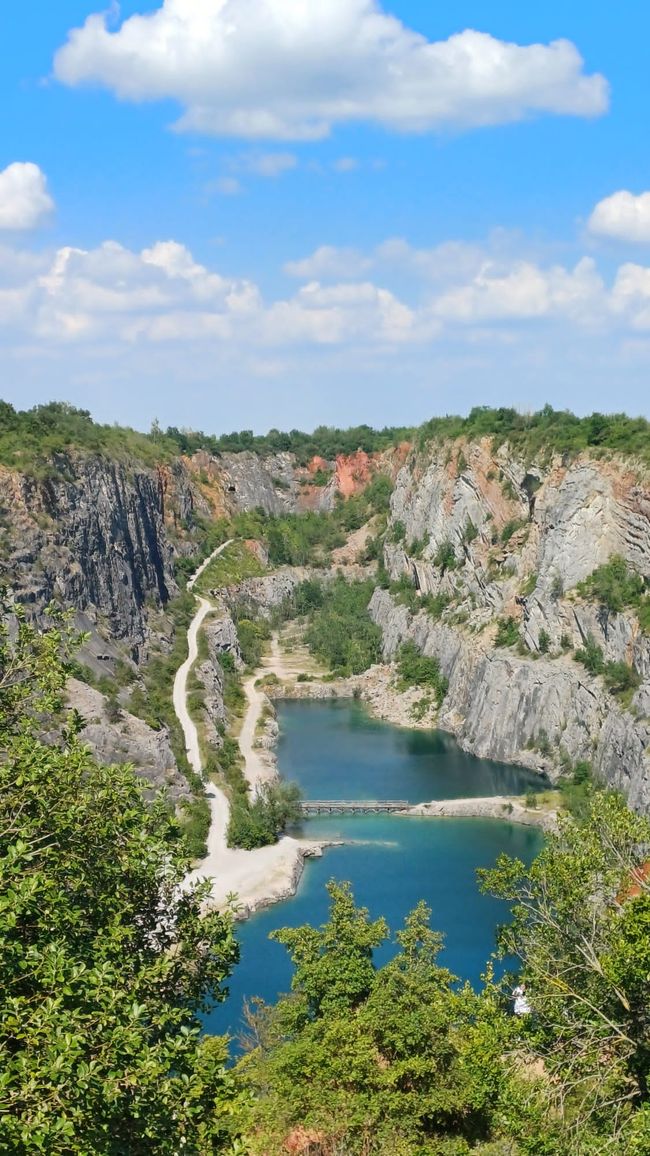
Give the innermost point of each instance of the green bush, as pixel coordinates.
(507, 632)
(341, 632)
(195, 826)
(620, 678)
(405, 594)
(511, 528)
(445, 556)
(259, 823)
(470, 533)
(544, 641)
(591, 656)
(252, 636)
(435, 604)
(616, 587)
(416, 669)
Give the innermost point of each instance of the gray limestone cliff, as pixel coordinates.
(482, 536)
(115, 736)
(90, 535)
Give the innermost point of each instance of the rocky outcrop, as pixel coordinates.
(90, 535)
(261, 596)
(221, 638)
(488, 535)
(115, 736)
(504, 706)
(252, 482)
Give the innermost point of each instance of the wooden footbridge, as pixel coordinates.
(353, 806)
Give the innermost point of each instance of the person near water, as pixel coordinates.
(522, 1006)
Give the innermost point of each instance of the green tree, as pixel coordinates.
(396, 1061)
(445, 556)
(341, 631)
(581, 929)
(105, 962)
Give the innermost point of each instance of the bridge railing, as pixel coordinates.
(352, 806)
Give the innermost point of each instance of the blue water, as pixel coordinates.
(335, 750)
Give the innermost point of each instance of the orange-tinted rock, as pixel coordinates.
(317, 464)
(353, 472)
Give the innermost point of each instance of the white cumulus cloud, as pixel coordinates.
(523, 292)
(284, 70)
(623, 217)
(24, 199)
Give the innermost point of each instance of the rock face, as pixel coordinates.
(494, 537)
(128, 739)
(91, 536)
(221, 638)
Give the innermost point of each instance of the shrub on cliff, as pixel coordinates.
(614, 585)
(617, 587)
(507, 632)
(416, 669)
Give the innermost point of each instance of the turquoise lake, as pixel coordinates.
(333, 749)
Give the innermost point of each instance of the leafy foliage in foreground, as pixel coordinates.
(104, 963)
(402, 1060)
(393, 1061)
(581, 929)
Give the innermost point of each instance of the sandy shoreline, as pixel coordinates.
(508, 808)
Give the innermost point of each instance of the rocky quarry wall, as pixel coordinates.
(561, 520)
(101, 536)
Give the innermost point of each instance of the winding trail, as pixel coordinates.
(258, 769)
(268, 874)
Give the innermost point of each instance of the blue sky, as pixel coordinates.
(237, 214)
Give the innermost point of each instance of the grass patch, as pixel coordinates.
(235, 564)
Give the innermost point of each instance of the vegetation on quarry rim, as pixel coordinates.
(29, 437)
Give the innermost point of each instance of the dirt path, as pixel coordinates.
(258, 769)
(219, 806)
(255, 878)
